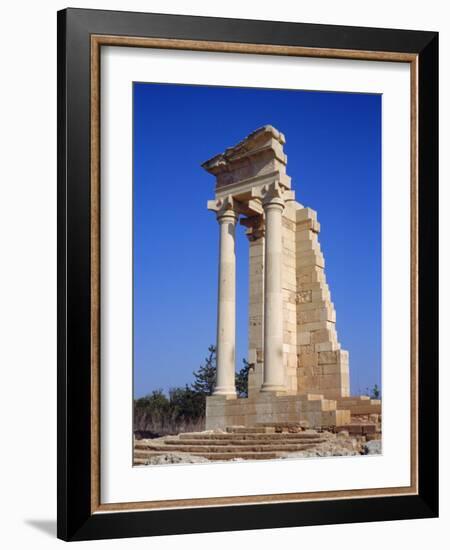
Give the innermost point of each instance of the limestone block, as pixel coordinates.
(304, 245)
(291, 317)
(256, 289)
(316, 314)
(324, 335)
(255, 335)
(305, 234)
(287, 223)
(308, 269)
(290, 348)
(313, 286)
(255, 321)
(308, 316)
(307, 357)
(330, 381)
(306, 214)
(306, 254)
(318, 405)
(255, 299)
(310, 274)
(289, 274)
(289, 337)
(289, 261)
(306, 259)
(288, 280)
(327, 357)
(304, 296)
(288, 236)
(327, 346)
(256, 249)
(291, 386)
(290, 211)
(319, 325)
(306, 371)
(303, 338)
(342, 417)
(320, 295)
(289, 285)
(310, 306)
(290, 253)
(307, 348)
(333, 368)
(312, 225)
(288, 326)
(255, 310)
(292, 360)
(256, 270)
(329, 404)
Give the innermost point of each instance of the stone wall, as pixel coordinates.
(273, 408)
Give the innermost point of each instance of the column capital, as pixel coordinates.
(225, 208)
(273, 195)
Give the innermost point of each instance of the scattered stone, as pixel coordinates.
(175, 458)
(372, 447)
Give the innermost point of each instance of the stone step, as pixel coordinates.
(215, 456)
(358, 429)
(283, 425)
(253, 430)
(249, 436)
(243, 442)
(140, 450)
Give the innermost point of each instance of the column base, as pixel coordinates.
(224, 390)
(272, 388)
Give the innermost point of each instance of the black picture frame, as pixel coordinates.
(75, 518)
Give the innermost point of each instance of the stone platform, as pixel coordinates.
(312, 409)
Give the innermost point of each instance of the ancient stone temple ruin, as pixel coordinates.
(298, 370)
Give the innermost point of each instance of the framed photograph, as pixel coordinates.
(247, 256)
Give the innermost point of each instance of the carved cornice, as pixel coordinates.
(254, 143)
(257, 155)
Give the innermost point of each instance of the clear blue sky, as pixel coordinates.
(333, 143)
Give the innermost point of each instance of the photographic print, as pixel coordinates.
(256, 274)
(247, 266)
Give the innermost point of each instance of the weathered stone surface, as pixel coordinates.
(373, 447)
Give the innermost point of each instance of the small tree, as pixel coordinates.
(376, 392)
(205, 376)
(242, 379)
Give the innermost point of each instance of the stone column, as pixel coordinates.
(274, 379)
(255, 235)
(226, 312)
